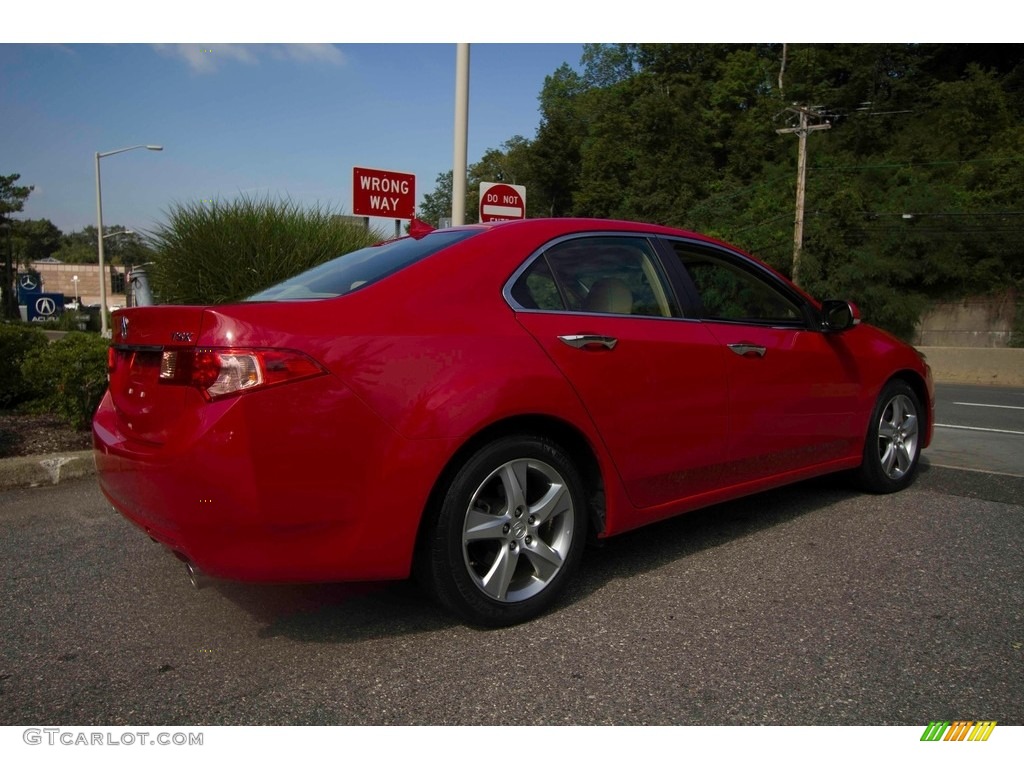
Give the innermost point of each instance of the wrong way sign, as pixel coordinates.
(502, 202)
(389, 194)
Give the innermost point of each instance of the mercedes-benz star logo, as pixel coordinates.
(45, 306)
(28, 282)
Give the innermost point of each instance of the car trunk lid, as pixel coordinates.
(146, 409)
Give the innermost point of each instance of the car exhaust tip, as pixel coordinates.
(194, 576)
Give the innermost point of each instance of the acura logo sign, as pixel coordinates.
(45, 306)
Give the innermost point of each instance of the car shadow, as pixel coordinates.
(653, 546)
(346, 613)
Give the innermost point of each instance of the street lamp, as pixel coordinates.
(74, 279)
(119, 232)
(104, 330)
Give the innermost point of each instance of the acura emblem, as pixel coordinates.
(45, 306)
(124, 327)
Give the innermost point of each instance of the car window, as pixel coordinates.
(729, 292)
(360, 268)
(604, 274)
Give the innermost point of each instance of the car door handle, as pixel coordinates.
(584, 341)
(748, 350)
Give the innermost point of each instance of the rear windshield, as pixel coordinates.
(360, 268)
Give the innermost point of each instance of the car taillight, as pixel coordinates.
(221, 372)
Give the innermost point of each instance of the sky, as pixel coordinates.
(285, 121)
(290, 115)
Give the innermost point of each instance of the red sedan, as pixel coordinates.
(472, 404)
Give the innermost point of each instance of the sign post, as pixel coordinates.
(389, 194)
(502, 202)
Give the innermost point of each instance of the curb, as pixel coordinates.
(47, 469)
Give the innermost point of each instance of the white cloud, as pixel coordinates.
(205, 58)
(317, 52)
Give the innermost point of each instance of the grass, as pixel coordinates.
(222, 251)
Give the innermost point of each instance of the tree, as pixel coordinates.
(555, 153)
(79, 247)
(437, 205)
(35, 239)
(12, 200)
(121, 247)
(913, 196)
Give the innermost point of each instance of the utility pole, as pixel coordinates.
(805, 114)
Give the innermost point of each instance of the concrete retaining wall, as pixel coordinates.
(977, 321)
(976, 365)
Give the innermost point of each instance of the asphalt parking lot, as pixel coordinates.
(811, 605)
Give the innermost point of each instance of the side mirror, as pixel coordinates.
(837, 316)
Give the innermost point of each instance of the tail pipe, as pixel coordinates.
(194, 576)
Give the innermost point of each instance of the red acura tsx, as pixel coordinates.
(472, 404)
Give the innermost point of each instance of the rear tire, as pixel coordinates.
(892, 449)
(509, 533)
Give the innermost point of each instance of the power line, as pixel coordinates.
(916, 165)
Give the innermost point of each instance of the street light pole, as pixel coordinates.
(104, 329)
(461, 134)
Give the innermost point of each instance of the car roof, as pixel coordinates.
(570, 224)
(554, 227)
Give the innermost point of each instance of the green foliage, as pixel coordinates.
(17, 341)
(913, 195)
(12, 200)
(68, 377)
(71, 320)
(34, 239)
(79, 247)
(120, 246)
(511, 164)
(211, 253)
(437, 205)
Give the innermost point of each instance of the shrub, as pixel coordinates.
(16, 342)
(211, 253)
(72, 320)
(68, 377)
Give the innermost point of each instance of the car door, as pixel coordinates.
(652, 380)
(792, 387)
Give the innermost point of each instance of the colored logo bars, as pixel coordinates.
(959, 730)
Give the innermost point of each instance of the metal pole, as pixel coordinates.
(104, 330)
(461, 134)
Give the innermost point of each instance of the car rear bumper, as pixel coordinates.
(247, 494)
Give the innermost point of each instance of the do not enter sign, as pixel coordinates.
(502, 202)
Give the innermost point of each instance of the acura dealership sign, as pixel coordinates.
(45, 307)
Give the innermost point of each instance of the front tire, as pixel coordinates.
(509, 533)
(892, 449)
